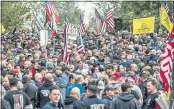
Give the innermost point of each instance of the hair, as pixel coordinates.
(12, 64)
(78, 78)
(55, 77)
(145, 74)
(93, 89)
(17, 65)
(26, 72)
(92, 86)
(54, 88)
(48, 77)
(71, 76)
(13, 81)
(125, 86)
(26, 79)
(153, 82)
(109, 67)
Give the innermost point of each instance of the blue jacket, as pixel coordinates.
(94, 103)
(107, 100)
(50, 105)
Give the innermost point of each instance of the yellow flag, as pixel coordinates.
(165, 20)
(143, 25)
(2, 28)
(168, 95)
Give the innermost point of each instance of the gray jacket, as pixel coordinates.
(124, 101)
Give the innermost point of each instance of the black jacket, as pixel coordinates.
(5, 104)
(38, 83)
(73, 103)
(94, 103)
(124, 101)
(107, 100)
(43, 93)
(18, 99)
(31, 91)
(143, 88)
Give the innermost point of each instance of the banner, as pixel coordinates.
(43, 37)
(165, 20)
(73, 32)
(143, 25)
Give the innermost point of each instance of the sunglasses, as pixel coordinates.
(78, 61)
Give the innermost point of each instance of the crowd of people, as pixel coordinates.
(114, 71)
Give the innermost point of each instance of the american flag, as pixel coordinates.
(67, 47)
(102, 28)
(110, 20)
(80, 48)
(50, 10)
(166, 65)
(166, 7)
(102, 24)
(82, 25)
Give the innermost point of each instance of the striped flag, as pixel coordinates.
(166, 7)
(166, 65)
(102, 23)
(67, 49)
(110, 20)
(80, 48)
(50, 11)
(102, 28)
(82, 25)
(97, 14)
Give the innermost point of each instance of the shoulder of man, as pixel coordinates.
(5, 104)
(79, 104)
(47, 106)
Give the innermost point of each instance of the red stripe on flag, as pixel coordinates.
(110, 20)
(80, 48)
(82, 27)
(50, 10)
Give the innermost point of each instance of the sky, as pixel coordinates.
(87, 7)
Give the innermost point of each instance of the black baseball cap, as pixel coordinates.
(109, 88)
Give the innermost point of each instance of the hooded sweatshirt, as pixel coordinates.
(43, 93)
(107, 100)
(73, 103)
(125, 101)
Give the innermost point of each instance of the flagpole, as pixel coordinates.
(173, 12)
(160, 18)
(65, 43)
(171, 105)
(35, 16)
(81, 41)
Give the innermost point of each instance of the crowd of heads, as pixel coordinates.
(108, 65)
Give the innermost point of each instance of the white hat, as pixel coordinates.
(101, 85)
